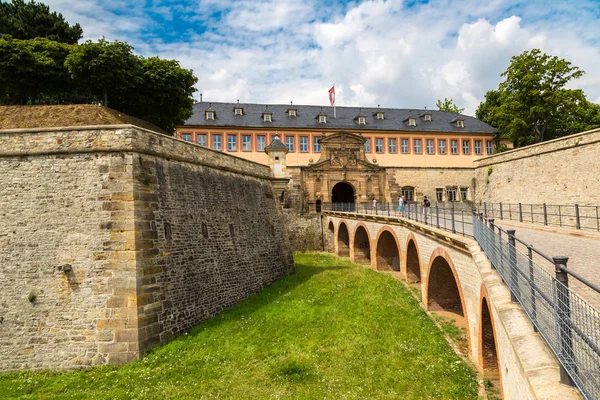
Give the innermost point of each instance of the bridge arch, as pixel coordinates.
(387, 250)
(361, 244)
(489, 359)
(443, 291)
(412, 263)
(343, 240)
(331, 237)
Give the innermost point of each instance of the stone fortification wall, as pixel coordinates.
(426, 180)
(560, 171)
(113, 239)
(305, 231)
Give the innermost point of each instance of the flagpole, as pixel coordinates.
(334, 102)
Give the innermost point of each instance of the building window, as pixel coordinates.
(323, 119)
(362, 121)
(291, 113)
(488, 147)
(454, 146)
(466, 147)
(201, 139)
(247, 143)
(404, 146)
(392, 146)
(267, 118)
(439, 193)
(451, 194)
(289, 142)
(427, 117)
(442, 146)
(430, 147)
(210, 115)
(260, 142)
(367, 145)
(238, 111)
(478, 147)
(412, 122)
(460, 123)
(217, 142)
(378, 145)
(316, 144)
(231, 142)
(417, 146)
(303, 144)
(380, 115)
(187, 137)
(463, 193)
(408, 193)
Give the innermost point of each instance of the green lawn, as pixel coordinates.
(334, 330)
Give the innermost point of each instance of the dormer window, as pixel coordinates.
(427, 117)
(380, 115)
(238, 111)
(460, 123)
(412, 122)
(267, 118)
(210, 115)
(291, 112)
(362, 121)
(323, 119)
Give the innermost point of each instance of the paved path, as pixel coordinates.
(582, 248)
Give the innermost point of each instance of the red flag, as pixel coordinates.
(332, 95)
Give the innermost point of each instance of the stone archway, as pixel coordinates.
(388, 254)
(489, 352)
(342, 192)
(413, 265)
(362, 246)
(331, 237)
(343, 241)
(442, 288)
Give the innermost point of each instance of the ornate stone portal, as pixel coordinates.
(342, 174)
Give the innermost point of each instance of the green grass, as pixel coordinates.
(334, 330)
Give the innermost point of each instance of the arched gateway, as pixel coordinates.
(342, 192)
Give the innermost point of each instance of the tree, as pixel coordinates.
(449, 106)
(28, 20)
(105, 67)
(32, 71)
(163, 96)
(533, 105)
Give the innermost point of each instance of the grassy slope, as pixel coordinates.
(333, 330)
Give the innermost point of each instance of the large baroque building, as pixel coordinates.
(352, 154)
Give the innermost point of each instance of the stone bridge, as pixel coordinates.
(455, 279)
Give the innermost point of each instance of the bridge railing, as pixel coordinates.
(567, 215)
(568, 323)
(443, 216)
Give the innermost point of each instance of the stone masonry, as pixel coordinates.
(116, 238)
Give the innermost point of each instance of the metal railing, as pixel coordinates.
(569, 324)
(573, 216)
(446, 216)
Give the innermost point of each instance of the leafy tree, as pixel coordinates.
(32, 71)
(533, 105)
(28, 20)
(449, 106)
(105, 67)
(164, 94)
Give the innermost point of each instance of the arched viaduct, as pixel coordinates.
(456, 280)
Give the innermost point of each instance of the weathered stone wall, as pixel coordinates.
(304, 231)
(113, 239)
(560, 171)
(426, 180)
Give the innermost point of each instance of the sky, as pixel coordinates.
(394, 53)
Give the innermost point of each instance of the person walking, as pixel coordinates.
(401, 205)
(375, 205)
(426, 205)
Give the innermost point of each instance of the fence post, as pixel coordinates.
(425, 214)
(485, 209)
(562, 310)
(520, 213)
(388, 205)
(577, 222)
(512, 264)
(437, 216)
(545, 215)
(501, 215)
(491, 221)
(452, 217)
(531, 289)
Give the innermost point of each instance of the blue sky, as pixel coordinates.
(395, 53)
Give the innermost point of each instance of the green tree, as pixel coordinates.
(103, 67)
(33, 71)
(163, 95)
(28, 20)
(449, 106)
(533, 105)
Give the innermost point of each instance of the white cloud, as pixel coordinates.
(375, 51)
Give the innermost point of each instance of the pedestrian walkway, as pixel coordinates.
(582, 248)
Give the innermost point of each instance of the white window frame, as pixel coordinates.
(218, 144)
(408, 193)
(362, 121)
(322, 119)
(405, 146)
(291, 113)
(201, 142)
(478, 147)
(267, 118)
(439, 194)
(230, 142)
(463, 193)
(380, 115)
(316, 144)
(367, 145)
(261, 142)
(238, 111)
(427, 117)
(417, 146)
(412, 122)
(442, 146)
(210, 115)
(186, 137)
(379, 145)
(489, 147)
(453, 147)
(466, 146)
(247, 144)
(303, 144)
(392, 145)
(451, 194)
(460, 123)
(430, 144)
(290, 143)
